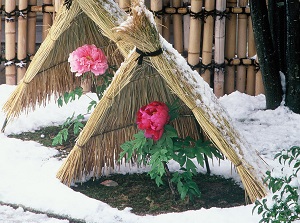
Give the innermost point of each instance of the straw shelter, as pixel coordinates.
(164, 76)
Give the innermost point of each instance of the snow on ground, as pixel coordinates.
(28, 169)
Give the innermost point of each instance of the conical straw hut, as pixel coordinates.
(165, 77)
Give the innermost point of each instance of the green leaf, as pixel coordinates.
(77, 127)
(190, 166)
(60, 102)
(78, 91)
(92, 105)
(65, 134)
(66, 97)
(170, 131)
(200, 159)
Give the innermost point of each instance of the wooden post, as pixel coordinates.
(10, 42)
(219, 49)
(177, 27)
(2, 76)
(156, 6)
(250, 87)
(208, 40)
(242, 48)
(166, 22)
(47, 19)
(230, 48)
(195, 34)
(22, 41)
(186, 29)
(31, 32)
(259, 84)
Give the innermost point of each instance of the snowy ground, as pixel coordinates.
(27, 169)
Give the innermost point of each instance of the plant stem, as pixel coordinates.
(168, 174)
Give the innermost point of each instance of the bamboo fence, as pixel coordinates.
(215, 37)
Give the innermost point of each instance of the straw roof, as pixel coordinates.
(165, 77)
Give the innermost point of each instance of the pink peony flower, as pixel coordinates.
(88, 58)
(152, 118)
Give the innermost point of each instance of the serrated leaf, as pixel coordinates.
(200, 159)
(169, 143)
(66, 97)
(65, 134)
(190, 166)
(92, 105)
(60, 102)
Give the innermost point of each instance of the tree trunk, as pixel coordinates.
(266, 55)
(292, 55)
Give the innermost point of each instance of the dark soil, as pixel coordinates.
(139, 192)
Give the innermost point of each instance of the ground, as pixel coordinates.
(139, 192)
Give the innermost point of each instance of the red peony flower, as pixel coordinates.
(88, 58)
(152, 118)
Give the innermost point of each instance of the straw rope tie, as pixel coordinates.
(10, 16)
(239, 164)
(68, 4)
(80, 147)
(147, 54)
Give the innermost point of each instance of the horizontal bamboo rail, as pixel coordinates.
(189, 28)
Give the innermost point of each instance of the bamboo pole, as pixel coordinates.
(22, 40)
(31, 29)
(250, 86)
(39, 8)
(230, 48)
(2, 76)
(156, 6)
(10, 41)
(208, 40)
(166, 22)
(195, 34)
(47, 19)
(259, 85)
(186, 28)
(219, 49)
(178, 29)
(241, 48)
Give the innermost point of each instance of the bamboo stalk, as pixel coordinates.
(2, 75)
(186, 28)
(219, 49)
(230, 48)
(241, 48)
(47, 20)
(39, 8)
(177, 28)
(250, 87)
(10, 41)
(208, 40)
(22, 41)
(31, 32)
(166, 22)
(195, 34)
(259, 84)
(156, 6)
